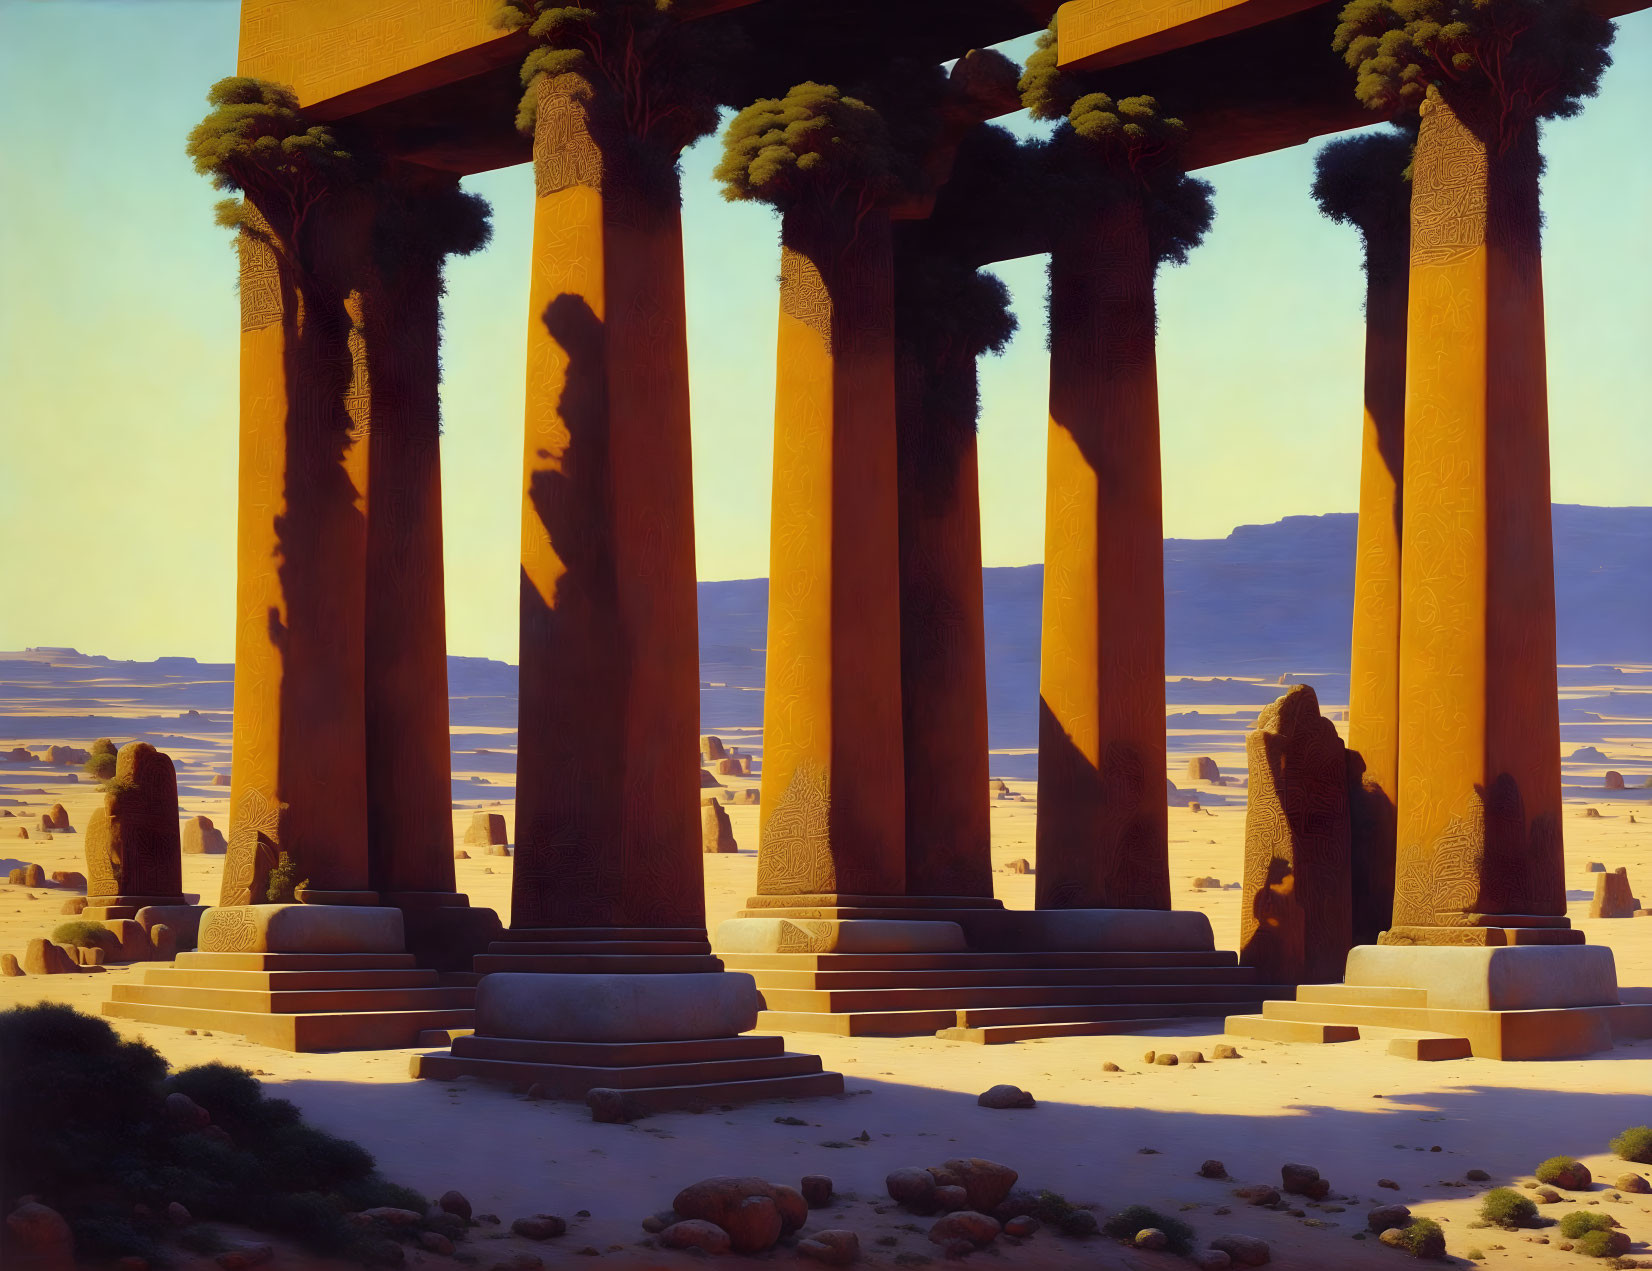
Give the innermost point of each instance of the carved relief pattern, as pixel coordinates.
(252, 849)
(229, 930)
(260, 282)
(804, 294)
(565, 153)
(796, 852)
(1449, 189)
(805, 937)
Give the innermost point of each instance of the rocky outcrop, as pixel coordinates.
(1613, 899)
(200, 837)
(716, 831)
(486, 829)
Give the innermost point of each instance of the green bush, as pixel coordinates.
(1634, 1144)
(1055, 1210)
(1581, 1222)
(1133, 1218)
(1565, 1172)
(1423, 1239)
(1609, 1243)
(1505, 1207)
(86, 934)
(101, 762)
(284, 881)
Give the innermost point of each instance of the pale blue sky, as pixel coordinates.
(118, 340)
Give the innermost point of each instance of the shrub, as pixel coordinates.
(1565, 1172)
(1422, 1239)
(1055, 1210)
(1608, 1243)
(1581, 1222)
(101, 762)
(86, 934)
(1505, 1207)
(1635, 1144)
(1133, 1218)
(284, 881)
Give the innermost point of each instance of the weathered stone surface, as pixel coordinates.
(1203, 768)
(33, 875)
(950, 1197)
(132, 842)
(540, 1227)
(696, 1233)
(1303, 1180)
(1612, 781)
(74, 905)
(716, 831)
(794, 1210)
(712, 748)
(1006, 1096)
(816, 1190)
(71, 878)
(56, 818)
(729, 767)
(201, 836)
(966, 1224)
(835, 1248)
(1383, 1217)
(1245, 1251)
(43, 957)
(41, 1237)
(1297, 912)
(1633, 1183)
(616, 1008)
(912, 1186)
(1613, 899)
(9, 964)
(743, 1207)
(453, 1202)
(486, 829)
(986, 1183)
(184, 921)
(301, 929)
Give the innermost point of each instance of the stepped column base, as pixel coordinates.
(443, 932)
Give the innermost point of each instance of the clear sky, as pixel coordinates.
(118, 340)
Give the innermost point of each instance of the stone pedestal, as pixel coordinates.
(1479, 834)
(298, 777)
(1102, 819)
(942, 630)
(606, 833)
(1374, 672)
(833, 809)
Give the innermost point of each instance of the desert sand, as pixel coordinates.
(1104, 1139)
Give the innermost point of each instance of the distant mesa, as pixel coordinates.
(707, 781)
(220, 778)
(1587, 754)
(730, 767)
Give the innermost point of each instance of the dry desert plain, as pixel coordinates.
(1100, 1138)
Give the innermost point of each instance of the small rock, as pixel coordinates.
(817, 1190)
(1166, 1060)
(1632, 1183)
(1225, 1051)
(1212, 1260)
(436, 1242)
(950, 1199)
(610, 1106)
(454, 1203)
(835, 1248)
(1389, 1183)
(1023, 1225)
(1004, 1096)
(696, 1233)
(1191, 1057)
(1259, 1195)
(540, 1227)
(8, 964)
(1150, 1056)
(913, 1187)
(1547, 1196)
(1213, 1169)
(394, 1217)
(1151, 1238)
(1386, 1217)
(1244, 1251)
(1110, 1066)
(1477, 1176)
(966, 1224)
(178, 1215)
(1304, 1180)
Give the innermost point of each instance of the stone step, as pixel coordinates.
(303, 1002)
(338, 1030)
(619, 1054)
(596, 963)
(859, 1023)
(296, 961)
(1562, 1033)
(603, 934)
(905, 962)
(1032, 1015)
(569, 1081)
(434, 1037)
(270, 981)
(1284, 1030)
(723, 1093)
(984, 976)
(774, 906)
(1360, 995)
(636, 947)
(998, 1034)
(902, 912)
(980, 996)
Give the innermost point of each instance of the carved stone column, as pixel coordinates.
(607, 829)
(298, 777)
(1102, 819)
(1374, 675)
(1479, 836)
(833, 806)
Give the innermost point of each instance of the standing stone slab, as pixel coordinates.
(132, 841)
(200, 837)
(1613, 899)
(716, 831)
(1296, 919)
(486, 829)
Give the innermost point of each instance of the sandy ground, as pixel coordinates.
(1107, 1139)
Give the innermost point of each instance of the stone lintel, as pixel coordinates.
(1466, 978)
(1100, 33)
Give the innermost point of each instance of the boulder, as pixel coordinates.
(1151, 1238)
(1633, 1183)
(1613, 899)
(1296, 916)
(708, 782)
(1006, 1096)
(913, 1187)
(743, 1207)
(1211, 1260)
(950, 1197)
(712, 748)
(1612, 781)
(70, 878)
(978, 1229)
(454, 1203)
(794, 1210)
(816, 1190)
(1245, 1251)
(42, 957)
(133, 845)
(201, 837)
(716, 831)
(540, 1227)
(135, 944)
(1303, 1180)
(834, 1248)
(696, 1233)
(1591, 813)
(986, 1183)
(745, 765)
(9, 964)
(56, 818)
(486, 829)
(74, 905)
(1020, 865)
(1432, 1246)
(33, 875)
(1203, 768)
(220, 778)
(65, 756)
(185, 1113)
(40, 1238)
(1384, 1217)
(728, 767)
(1587, 754)
(1213, 1169)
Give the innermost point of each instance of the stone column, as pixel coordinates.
(833, 807)
(607, 801)
(942, 631)
(298, 778)
(409, 791)
(1479, 836)
(1102, 819)
(1374, 674)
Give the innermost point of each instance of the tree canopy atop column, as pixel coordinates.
(1365, 181)
(662, 72)
(1530, 59)
(1107, 149)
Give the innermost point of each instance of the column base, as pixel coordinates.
(102, 907)
(1481, 937)
(311, 896)
(302, 929)
(442, 931)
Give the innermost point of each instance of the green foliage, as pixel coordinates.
(85, 934)
(1365, 181)
(100, 764)
(429, 224)
(663, 72)
(1563, 1171)
(1133, 1218)
(1603, 1243)
(1505, 1207)
(1581, 1221)
(1424, 1238)
(1634, 1144)
(254, 141)
(1047, 91)
(284, 880)
(1055, 1210)
(814, 150)
(1531, 59)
